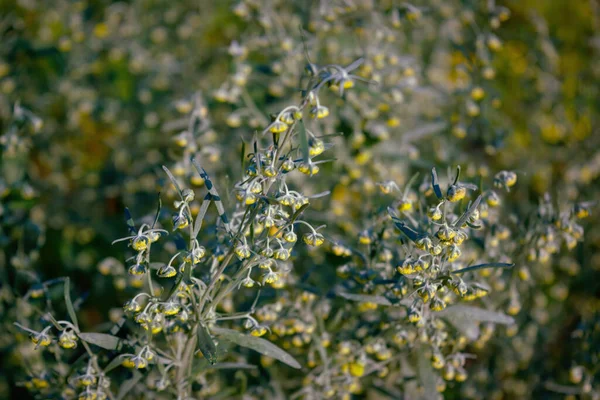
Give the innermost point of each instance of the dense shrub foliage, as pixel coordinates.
(345, 199)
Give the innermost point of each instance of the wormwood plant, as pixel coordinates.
(255, 244)
(412, 290)
(475, 284)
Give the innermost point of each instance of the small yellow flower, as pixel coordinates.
(453, 253)
(364, 238)
(313, 239)
(456, 193)
(357, 369)
(477, 93)
(258, 331)
(170, 308)
(434, 213)
(494, 43)
(140, 243)
(167, 271)
(242, 251)
(195, 256)
(437, 304)
(41, 339)
(461, 375)
(319, 112)
(406, 268)
(281, 254)
(132, 306)
(492, 199)
(405, 205)
(278, 127)
(271, 277)
(446, 233)
(40, 383)
(101, 30)
(290, 237)
(180, 221)
(137, 269)
(128, 362)
(316, 147)
(86, 380)
(414, 316)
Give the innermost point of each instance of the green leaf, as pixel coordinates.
(115, 362)
(457, 175)
(232, 365)
(468, 328)
(207, 345)
(257, 344)
(174, 181)
(104, 340)
(483, 266)
(436, 185)
(365, 298)
(468, 213)
(201, 215)
(243, 154)
(472, 313)
(173, 289)
(411, 233)
(187, 274)
(474, 226)
(256, 154)
(69, 303)
(157, 211)
(297, 213)
(129, 221)
(410, 182)
(213, 195)
(426, 374)
(129, 384)
(303, 141)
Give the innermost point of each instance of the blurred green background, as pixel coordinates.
(104, 78)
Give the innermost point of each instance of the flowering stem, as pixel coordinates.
(185, 363)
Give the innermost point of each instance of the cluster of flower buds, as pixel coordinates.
(409, 282)
(397, 304)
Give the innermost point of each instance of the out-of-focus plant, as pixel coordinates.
(407, 286)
